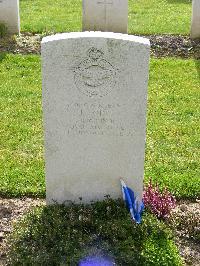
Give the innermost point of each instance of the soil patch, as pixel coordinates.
(10, 211)
(185, 221)
(177, 46)
(22, 44)
(161, 45)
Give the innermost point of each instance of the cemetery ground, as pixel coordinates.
(62, 235)
(171, 159)
(173, 90)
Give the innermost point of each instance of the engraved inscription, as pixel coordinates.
(97, 119)
(95, 76)
(105, 3)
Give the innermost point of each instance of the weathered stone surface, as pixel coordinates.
(94, 101)
(195, 27)
(105, 15)
(9, 15)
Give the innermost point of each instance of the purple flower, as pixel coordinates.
(159, 203)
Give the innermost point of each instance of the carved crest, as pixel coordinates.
(95, 76)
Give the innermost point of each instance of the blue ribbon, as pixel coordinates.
(133, 205)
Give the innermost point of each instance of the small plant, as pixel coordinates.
(3, 30)
(80, 234)
(159, 203)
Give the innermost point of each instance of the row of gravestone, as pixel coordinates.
(102, 15)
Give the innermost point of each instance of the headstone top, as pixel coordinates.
(96, 34)
(105, 15)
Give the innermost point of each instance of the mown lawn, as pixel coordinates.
(172, 152)
(145, 16)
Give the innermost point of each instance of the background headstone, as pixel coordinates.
(105, 15)
(9, 15)
(94, 102)
(195, 27)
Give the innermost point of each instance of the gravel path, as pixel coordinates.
(161, 45)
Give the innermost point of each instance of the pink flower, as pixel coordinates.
(160, 203)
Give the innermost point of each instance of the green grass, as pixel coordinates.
(61, 235)
(3, 30)
(172, 153)
(145, 16)
(50, 15)
(21, 145)
(160, 16)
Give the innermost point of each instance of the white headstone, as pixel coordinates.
(105, 15)
(94, 102)
(195, 27)
(9, 15)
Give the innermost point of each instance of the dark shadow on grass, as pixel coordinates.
(189, 2)
(8, 44)
(197, 63)
(196, 55)
(2, 56)
(60, 235)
